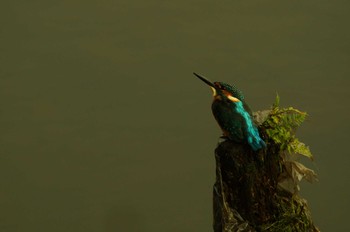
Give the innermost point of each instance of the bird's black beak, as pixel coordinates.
(205, 80)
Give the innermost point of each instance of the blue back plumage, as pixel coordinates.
(252, 133)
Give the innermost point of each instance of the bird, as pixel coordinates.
(233, 114)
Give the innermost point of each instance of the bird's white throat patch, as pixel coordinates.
(214, 91)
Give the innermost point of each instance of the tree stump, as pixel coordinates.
(247, 194)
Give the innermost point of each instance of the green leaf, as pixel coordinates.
(277, 101)
(280, 127)
(302, 149)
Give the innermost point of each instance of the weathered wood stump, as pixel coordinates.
(247, 194)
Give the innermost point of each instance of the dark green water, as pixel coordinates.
(104, 127)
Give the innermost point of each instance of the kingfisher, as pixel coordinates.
(233, 114)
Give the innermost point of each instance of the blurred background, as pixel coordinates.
(104, 127)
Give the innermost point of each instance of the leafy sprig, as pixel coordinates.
(280, 127)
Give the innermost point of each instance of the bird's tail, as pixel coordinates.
(256, 143)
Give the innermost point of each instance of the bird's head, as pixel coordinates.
(222, 90)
